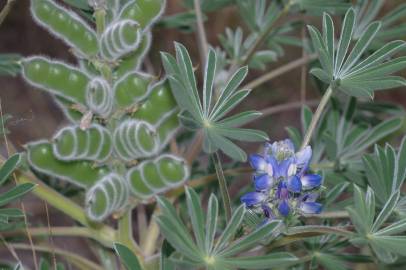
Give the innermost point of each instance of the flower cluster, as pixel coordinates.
(282, 185)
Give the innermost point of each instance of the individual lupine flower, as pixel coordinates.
(281, 182)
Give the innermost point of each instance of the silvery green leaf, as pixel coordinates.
(345, 39)
(386, 211)
(240, 119)
(196, 216)
(241, 134)
(231, 228)
(211, 222)
(9, 64)
(394, 228)
(273, 260)
(252, 239)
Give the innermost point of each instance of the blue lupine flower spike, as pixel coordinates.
(283, 186)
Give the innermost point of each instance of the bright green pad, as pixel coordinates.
(65, 25)
(131, 89)
(159, 103)
(143, 11)
(81, 173)
(56, 77)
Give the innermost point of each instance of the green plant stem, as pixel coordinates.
(222, 184)
(6, 10)
(78, 261)
(100, 18)
(332, 215)
(125, 234)
(316, 116)
(279, 71)
(100, 232)
(201, 33)
(71, 231)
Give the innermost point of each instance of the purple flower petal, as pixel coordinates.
(310, 181)
(282, 191)
(294, 184)
(258, 162)
(267, 211)
(253, 198)
(311, 207)
(263, 182)
(283, 168)
(284, 208)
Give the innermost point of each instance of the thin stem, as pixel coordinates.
(101, 232)
(21, 202)
(279, 71)
(79, 261)
(332, 215)
(264, 35)
(125, 234)
(194, 150)
(316, 116)
(6, 10)
(223, 185)
(286, 107)
(203, 45)
(149, 245)
(100, 18)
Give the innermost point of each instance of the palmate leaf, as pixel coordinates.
(222, 253)
(209, 114)
(386, 170)
(384, 241)
(392, 26)
(347, 70)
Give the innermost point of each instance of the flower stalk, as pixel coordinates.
(316, 117)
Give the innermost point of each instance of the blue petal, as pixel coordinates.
(257, 162)
(263, 182)
(310, 181)
(294, 184)
(253, 198)
(303, 157)
(284, 208)
(282, 168)
(311, 207)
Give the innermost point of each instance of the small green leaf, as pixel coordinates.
(15, 193)
(231, 228)
(196, 216)
(273, 260)
(127, 257)
(8, 167)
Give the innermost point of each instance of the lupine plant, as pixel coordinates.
(164, 142)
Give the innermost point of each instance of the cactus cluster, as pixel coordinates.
(121, 118)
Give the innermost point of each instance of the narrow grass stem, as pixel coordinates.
(125, 234)
(279, 71)
(6, 10)
(76, 260)
(222, 184)
(316, 116)
(201, 33)
(100, 18)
